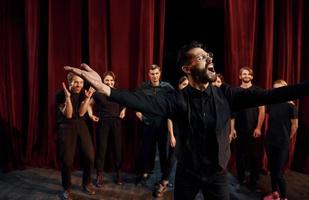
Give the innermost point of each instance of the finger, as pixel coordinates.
(91, 89)
(86, 67)
(73, 69)
(64, 86)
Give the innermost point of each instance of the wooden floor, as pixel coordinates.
(37, 184)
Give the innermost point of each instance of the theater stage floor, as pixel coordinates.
(38, 183)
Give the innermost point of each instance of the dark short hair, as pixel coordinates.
(183, 57)
(246, 68)
(109, 73)
(154, 66)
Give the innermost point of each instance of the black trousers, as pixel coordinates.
(152, 136)
(71, 133)
(109, 129)
(214, 187)
(171, 161)
(247, 157)
(277, 157)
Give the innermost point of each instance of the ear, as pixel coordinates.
(186, 69)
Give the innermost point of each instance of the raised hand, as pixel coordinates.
(88, 93)
(66, 91)
(91, 76)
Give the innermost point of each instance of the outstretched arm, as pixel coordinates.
(158, 105)
(244, 98)
(91, 76)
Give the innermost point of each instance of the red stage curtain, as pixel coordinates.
(270, 36)
(39, 37)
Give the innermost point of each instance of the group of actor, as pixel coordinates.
(74, 103)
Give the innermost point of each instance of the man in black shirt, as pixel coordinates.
(248, 125)
(72, 104)
(154, 126)
(201, 112)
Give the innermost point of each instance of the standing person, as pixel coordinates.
(72, 103)
(154, 127)
(171, 158)
(108, 129)
(282, 126)
(218, 82)
(201, 112)
(248, 124)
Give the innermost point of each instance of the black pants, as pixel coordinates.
(108, 129)
(152, 136)
(171, 161)
(214, 187)
(247, 157)
(71, 133)
(277, 156)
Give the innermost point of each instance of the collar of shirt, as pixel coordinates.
(198, 93)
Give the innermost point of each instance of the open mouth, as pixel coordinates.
(210, 67)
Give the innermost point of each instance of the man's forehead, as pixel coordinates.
(77, 78)
(154, 71)
(196, 51)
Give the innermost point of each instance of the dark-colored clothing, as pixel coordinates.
(154, 129)
(178, 106)
(247, 147)
(279, 126)
(277, 157)
(214, 187)
(148, 90)
(248, 158)
(71, 132)
(246, 120)
(108, 129)
(277, 142)
(152, 136)
(106, 108)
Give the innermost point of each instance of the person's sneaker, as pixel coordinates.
(161, 190)
(88, 189)
(66, 195)
(99, 180)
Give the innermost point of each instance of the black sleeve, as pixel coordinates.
(59, 98)
(245, 98)
(157, 105)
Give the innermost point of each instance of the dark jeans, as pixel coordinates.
(109, 129)
(152, 136)
(187, 185)
(277, 156)
(71, 133)
(247, 157)
(171, 161)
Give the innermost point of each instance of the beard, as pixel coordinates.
(203, 75)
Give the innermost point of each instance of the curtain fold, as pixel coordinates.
(38, 38)
(269, 36)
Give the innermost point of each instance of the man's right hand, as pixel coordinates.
(91, 76)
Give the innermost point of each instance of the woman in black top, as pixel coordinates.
(283, 124)
(109, 127)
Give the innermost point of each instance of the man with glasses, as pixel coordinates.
(201, 113)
